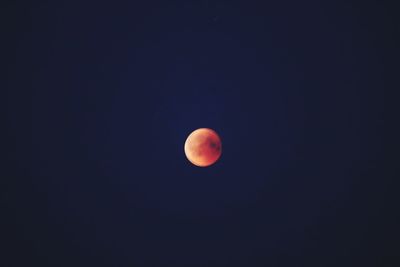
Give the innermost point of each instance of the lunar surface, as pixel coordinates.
(203, 147)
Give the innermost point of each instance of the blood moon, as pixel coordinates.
(203, 147)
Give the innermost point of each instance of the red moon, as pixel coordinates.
(203, 147)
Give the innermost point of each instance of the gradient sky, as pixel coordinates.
(101, 95)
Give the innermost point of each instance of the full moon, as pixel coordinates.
(203, 147)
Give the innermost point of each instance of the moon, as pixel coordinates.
(203, 147)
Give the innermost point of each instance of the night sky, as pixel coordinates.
(99, 97)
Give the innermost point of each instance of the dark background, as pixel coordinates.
(100, 96)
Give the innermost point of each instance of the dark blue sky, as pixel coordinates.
(100, 97)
